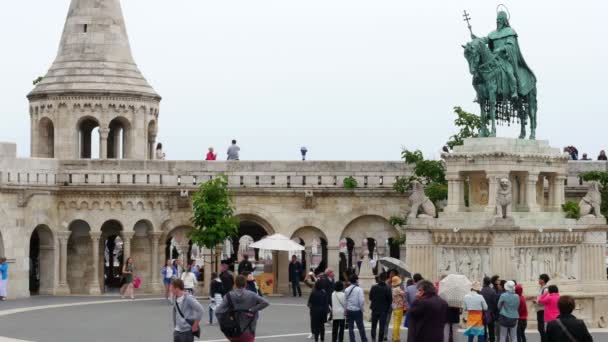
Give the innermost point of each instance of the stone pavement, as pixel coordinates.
(147, 319)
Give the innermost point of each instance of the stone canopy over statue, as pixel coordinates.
(505, 85)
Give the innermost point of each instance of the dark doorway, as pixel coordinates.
(35, 264)
(113, 259)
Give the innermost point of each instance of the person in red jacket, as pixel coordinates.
(522, 324)
(211, 155)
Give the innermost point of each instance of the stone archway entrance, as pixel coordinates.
(369, 234)
(251, 229)
(42, 250)
(178, 246)
(315, 243)
(113, 256)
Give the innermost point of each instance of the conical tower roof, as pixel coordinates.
(94, 55)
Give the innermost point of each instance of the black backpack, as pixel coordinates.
(230, 322)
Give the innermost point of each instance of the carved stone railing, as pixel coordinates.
(190, 174)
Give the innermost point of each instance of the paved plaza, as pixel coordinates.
(147, 319)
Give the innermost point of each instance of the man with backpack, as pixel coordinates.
(187, 313)
(237, 313)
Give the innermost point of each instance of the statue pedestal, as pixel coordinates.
(469, 238)
(366, 281)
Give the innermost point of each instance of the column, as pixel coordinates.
(182, 248)
(154, 236)
(151, 150)
(382, 251)
(455, 194)
(552, 202)
(531, 182)
(126, 244)
(63, 238)
(308, 258)
(493, 180)
(333, 259)
(94, 288)
(103, 143)
(559, 196)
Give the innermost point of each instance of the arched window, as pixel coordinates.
(88, 138)
(119, 139)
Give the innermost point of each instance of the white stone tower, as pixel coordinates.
(94, 86)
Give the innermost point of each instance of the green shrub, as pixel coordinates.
(572, 210)
(350, 183)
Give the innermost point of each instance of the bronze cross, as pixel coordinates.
(467, 17)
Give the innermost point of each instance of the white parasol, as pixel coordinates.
(277, 242)
(453, 288)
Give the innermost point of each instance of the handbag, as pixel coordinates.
(189, 321)
(137, 282)
(507, 322)
(565, 330)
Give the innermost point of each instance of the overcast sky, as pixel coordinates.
(349, 79)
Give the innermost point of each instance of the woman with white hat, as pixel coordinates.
(508, 304)
(474, 305)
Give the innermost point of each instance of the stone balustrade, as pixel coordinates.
(242, 174)
(190, 174)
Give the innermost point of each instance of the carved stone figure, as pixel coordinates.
(590, 204)
(420, 204)
(503, 198)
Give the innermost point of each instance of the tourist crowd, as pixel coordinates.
(494, 311)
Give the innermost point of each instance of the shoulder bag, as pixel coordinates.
(565, 330)
(189, 321)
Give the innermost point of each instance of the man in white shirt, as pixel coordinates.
(355, 304)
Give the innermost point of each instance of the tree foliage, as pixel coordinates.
(431, 173)
(602, 178)
(469, 124)
(213, 214)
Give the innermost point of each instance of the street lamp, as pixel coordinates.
(303, 150)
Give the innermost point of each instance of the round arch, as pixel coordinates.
(178, 245)
(119, 138)
(370, 226)
(259, 216)
(42, 260)
(315, 241)
(366, 234)
(87, 135)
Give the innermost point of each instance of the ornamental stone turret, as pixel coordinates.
(94, 90)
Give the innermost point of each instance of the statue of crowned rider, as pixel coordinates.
(505, 85)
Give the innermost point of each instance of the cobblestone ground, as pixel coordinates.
(147, 319)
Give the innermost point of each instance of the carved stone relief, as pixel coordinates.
(558, 262)
(472, 262)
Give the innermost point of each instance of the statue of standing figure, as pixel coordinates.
(505, 85)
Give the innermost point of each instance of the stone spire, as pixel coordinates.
(94, 55)
(94, 92)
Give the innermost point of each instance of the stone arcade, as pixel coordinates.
(69, 214)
